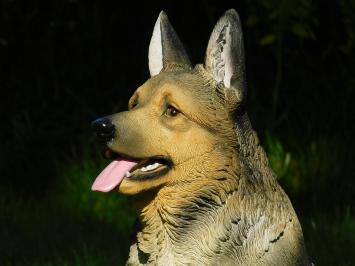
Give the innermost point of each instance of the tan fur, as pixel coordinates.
(220, 204)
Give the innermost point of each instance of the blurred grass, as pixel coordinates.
(72, 225)
(330, 239)
(306, 174)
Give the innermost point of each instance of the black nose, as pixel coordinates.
(103, 129)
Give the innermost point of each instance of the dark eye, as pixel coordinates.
(171, 111)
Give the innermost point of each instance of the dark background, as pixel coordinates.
(65, 63)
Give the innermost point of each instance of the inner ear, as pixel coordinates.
(165, 47)
(225, 54)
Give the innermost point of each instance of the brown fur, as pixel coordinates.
(220, 204)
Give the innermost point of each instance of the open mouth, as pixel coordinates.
(145, 168)
(136, 169)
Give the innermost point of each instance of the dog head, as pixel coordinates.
(179, 117)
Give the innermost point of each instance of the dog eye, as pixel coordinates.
(171, 111)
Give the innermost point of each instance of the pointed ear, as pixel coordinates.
(165, 47)
(225, 55)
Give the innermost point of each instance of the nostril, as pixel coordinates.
(103, 128)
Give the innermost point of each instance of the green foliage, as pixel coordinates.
(74, 191)
(330, 240)
(282, 17)
(279, 158)
(348, 17)
(267, 39)
(312, 171)
(71, 225)
(292, 168)
(302, 172)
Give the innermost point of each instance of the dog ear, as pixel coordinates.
(225, 55)
(165, 47)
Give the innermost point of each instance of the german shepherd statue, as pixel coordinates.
(202, 183)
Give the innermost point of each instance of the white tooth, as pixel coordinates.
(154, 166)
(149, 167)
(128, 174)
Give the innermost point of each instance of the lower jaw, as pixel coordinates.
(148, 176)
(143, 189)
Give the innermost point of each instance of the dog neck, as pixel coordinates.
(177, 214)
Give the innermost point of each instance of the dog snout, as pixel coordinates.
(104, 129)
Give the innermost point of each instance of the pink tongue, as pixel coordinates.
(112, 175)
